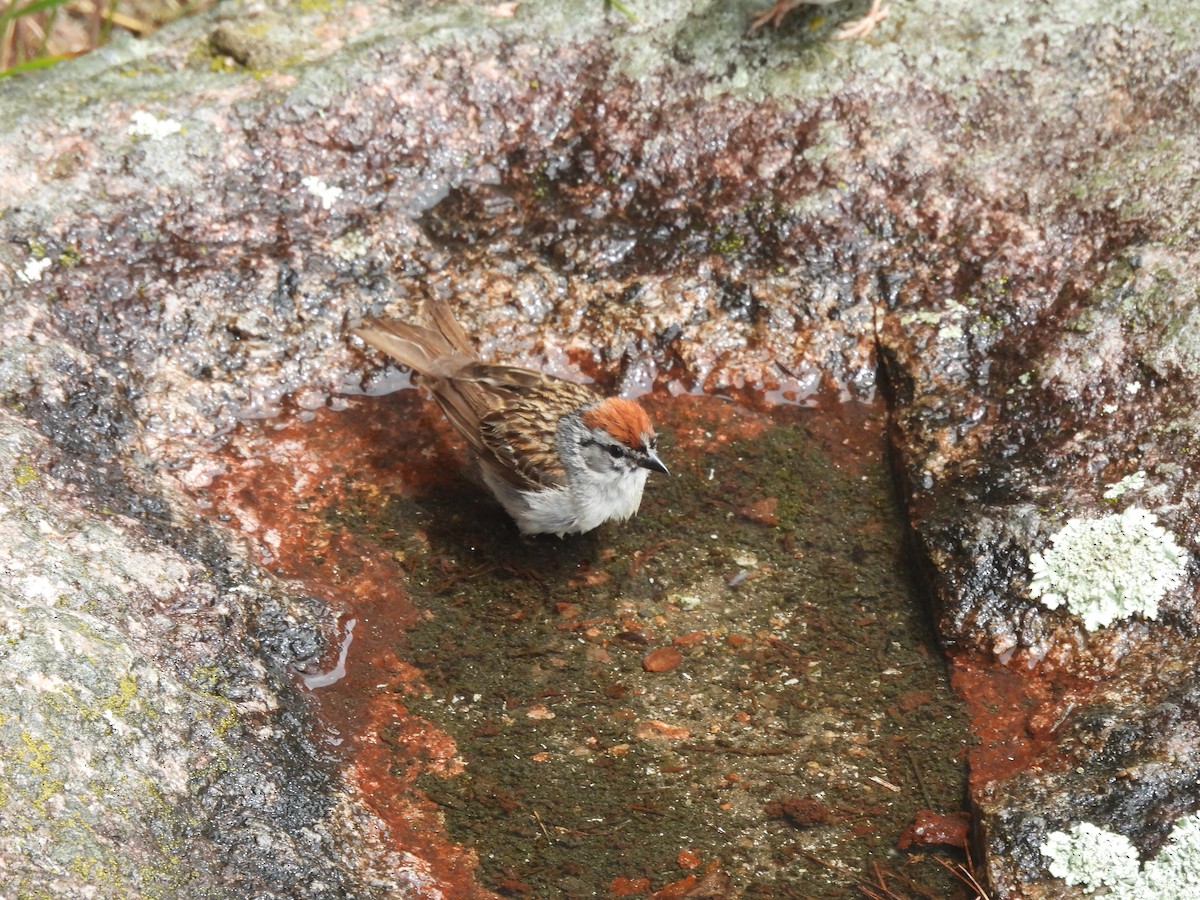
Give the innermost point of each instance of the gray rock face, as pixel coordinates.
(146, 754)
(994, 205)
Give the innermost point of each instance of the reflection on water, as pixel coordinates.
(338, 672)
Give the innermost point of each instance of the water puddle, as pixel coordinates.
(319, 680)
(734, 694)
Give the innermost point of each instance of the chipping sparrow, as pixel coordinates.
(860, 28)
(560, 458)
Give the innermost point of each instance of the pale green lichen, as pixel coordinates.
(1093, 858)
(1108, 568)
(1133, 482)
(1175, 872)
(351, 246)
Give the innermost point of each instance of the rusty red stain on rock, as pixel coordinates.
(931, 829)
(628, 887)
(664, 659)
(691, 639)
(1003, 702)
(699, 424)
(911, 700)
(389, 747)
(764, 512)
(688, 859)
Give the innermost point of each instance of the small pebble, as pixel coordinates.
(664, 659)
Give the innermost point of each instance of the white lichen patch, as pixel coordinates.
(325, 193)
(34, 270)
(1093, 858)
(1133, 482)
(147, 125)
(1175, 873)
(1109, 568)
(352, 245)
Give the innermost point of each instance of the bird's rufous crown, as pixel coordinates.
(624, 419)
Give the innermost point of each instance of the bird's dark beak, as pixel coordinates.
(651, 461)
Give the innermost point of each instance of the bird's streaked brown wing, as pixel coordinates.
(521, 435)
(443, 321)
(507, 414)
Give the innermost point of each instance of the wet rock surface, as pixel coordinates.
(580, 714)
(991, 205)
(146, 752)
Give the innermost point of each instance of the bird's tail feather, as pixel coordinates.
(439, 355)
(444, 322)
(435, 352)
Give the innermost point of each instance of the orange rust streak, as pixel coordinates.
(1015, 715)
(705, 423)
(279, 487)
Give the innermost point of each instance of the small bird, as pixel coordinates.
(859, 28)
(560, 458)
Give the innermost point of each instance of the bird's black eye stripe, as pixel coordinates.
(614, 450)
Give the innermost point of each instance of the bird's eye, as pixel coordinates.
(615, 452)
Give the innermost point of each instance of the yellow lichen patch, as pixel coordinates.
(50, 787)
(225, 723)
(36, 753)
(118, 703)
(24, 473)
